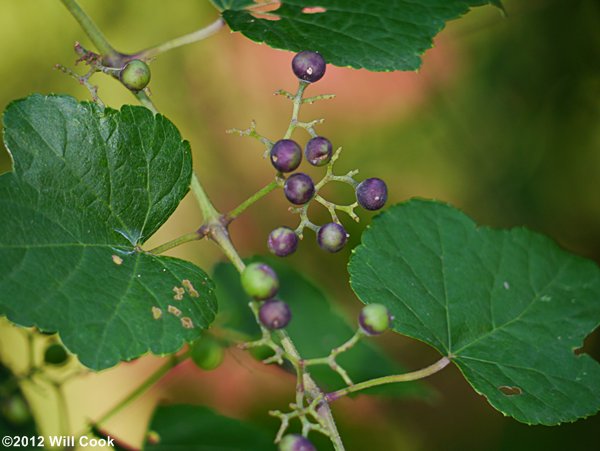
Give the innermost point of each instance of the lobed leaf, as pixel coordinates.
(509, 307)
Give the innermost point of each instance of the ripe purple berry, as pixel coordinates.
(374, 319)
(318, 151)
(299, 188)
(274, 314)
(332, 237)
(296, 442)
(371, 193)
(308, 66)
(135, 75)
(283, 241)
(260, 281)
(286, 155)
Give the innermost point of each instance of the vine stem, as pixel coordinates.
(406, 377)
(90, 28)
(173, 361)
(194, 236)
(297, 101)
(252, 199)
(190, 38)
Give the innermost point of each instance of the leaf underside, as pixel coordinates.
(89, 187)
(378, 35)
(508, 306)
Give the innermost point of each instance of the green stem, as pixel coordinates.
(252, 199)
(220, 235)
(90, 28)
(209, 212)
(146, 101)
(296, 110)
(194, 236)
(415, 375)
(190, 38)
(173, 361)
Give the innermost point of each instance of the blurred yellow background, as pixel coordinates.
(502, 121)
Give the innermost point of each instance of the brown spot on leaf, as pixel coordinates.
(174, 310)
(156, 312)
(188, 285)
(510, 391)
(179, 292)
(187, 322)
(265, 10)
(117, 260)
(313, 10)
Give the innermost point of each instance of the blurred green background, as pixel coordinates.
(503, 121)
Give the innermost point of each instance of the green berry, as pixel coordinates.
(56, 354)
(260, 281)
(135, 75)
(374, 319)
(207, 353)
(16, 410)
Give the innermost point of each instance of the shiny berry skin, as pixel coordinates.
(55, 354)
(259, 281)
(318, 151)
(296, 442)
(207, 353)
(274, 314)
(299, 188)
(371, 194)
(282, 241)
(332, 237)
(374, 319)
(308, 66)
(135, 75)
(286, 155)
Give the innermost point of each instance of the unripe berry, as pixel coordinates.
(16, 410)
(56, 354)
(260, 281)
(318, 151)
(274, 314)
(332, 237)
(296, 442)
(207, 353)
(374, 319)
(371, 193)
(286, 155)
(135, 75)
(283, 241)
(299, 188)
(308, 66)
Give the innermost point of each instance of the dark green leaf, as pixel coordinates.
(508, 306)
(379, 35)
(316, 327)
(89, 186)
(183, 427)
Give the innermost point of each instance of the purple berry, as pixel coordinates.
(299, 188)
(283, 241)
(274, 314)
(308, 66)
(296, 442)
(332, 237)
(318, 151)
(259, 281)
(371, 193)
(286, 155)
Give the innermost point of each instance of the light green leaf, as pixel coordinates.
(89, 187)
(200, 429)
(508, 306)
(379, 35)
(316, 328)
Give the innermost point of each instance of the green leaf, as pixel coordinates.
(89, 187)
(316, 328)
(379, 35)
(199, 428)
(508, 306)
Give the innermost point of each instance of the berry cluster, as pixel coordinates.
(299, 188)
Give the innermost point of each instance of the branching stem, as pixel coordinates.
(194, 236)
(253, 199)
